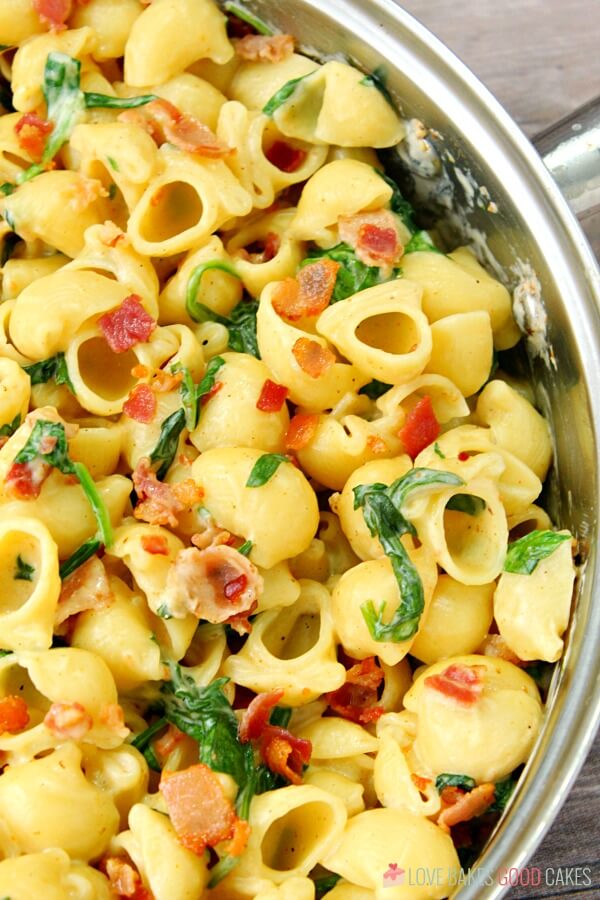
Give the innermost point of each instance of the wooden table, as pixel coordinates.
(541, 58)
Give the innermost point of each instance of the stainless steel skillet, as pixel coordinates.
(495, 192)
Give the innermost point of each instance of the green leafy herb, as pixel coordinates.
(9, 429)
(398, 204)
(382, 511)
(467, 503)
(168, 441)
(460, 781)
(197, 311)
(378, 79)
(112, 191)
(242, 328)
(240, 12)
(375, 389)
(79, 557)
(503, 793)
(8, 246)
(7, 189)
(438, 452)
(55, 367)
(325, 884)
(524, 555)
(163, 611)
(246, 548)
(421, 241)
(280, 716)
(192, 394)
(48, 442)
(113, 164)
(143, 743)
(23, 571)
(353, 275)
(4, 653)
(282, 95)
(209, 378)
(105, 101)
(264, 468)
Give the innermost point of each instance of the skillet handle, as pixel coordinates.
(571, 151)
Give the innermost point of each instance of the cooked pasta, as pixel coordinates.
(275, 586)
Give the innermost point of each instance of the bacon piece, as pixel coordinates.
(301, 431)
(376, 444)
(421, 783)
(141, 404)
(159, 381)
(85, 191)
(467, 807)
(217, 584)
(265, 48)
(309, 293)
(495, 645)
(285, 754)
(110, 235)
(168, 741)
(420, 429)
(356, 699)
(155, 544)
(260, 252)
(127, 325)
(125, 881)
(463, 456)
(164, 122)
(210, 394)
(373, 236)
(53, 13)
(459, 682)
(14, 715)
(112, 716)
(285, 157)
(256, 716)
(272, 396)
(85, 588)
(200, 813)
(312, 358)
(160, 503)
(31, 133)
(25, 480)
(68, 720)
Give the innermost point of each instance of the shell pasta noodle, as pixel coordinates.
(278, 600)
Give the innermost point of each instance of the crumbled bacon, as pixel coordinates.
(373, 236)
(127, 325)
(312, 358)
(85, 191)
(357, 698)
(14, 715)
(86, 588)
(256, 717)
(309, 293)
(112, 716)
(164, 122)
(125, 881)
(420, 429)
(68, 720)
(24, 480)
(111, 235)
(211, 536)
(282, 752)
(302, 429)
(160, 503)
(53, 13)
(141, 404)
(210, 394)
(495, 645)
(422, 784)
(31, 133)
(160, 381)
(285, 157)
(200, 813)
(458, 682)
(272, 396)
(168, 741)
(155, 544)
(216, 584)
(376, 444)
(467, 806)
(265, 48)
(463, 456)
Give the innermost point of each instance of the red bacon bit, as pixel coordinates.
(127, 325)
(265, 48)
(14, 715)
(272, 396)
(309, 293)
(155, 544)
(214, 390)
(301, 431)
(282, 752)
(464, 456)
(25, 480)
(68, 720)
(169, 740)
(53, 13)
(312, 358)
(256, 716)
(356, 699)
(495, 645)
(165, 122)
(459, 682)
(271, 248)
(31, 133)
(285, 157)
(422, 784)
(125, 881)
(373, 236)
(376, 444)
(467, 806)
(380, 243)
(112, 716)
(160, 382)
(234, 588)
(420, 429)
(86, 588)
(141, 404)
(160, 503)
(200, 813)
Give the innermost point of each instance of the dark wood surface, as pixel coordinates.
(541, 58)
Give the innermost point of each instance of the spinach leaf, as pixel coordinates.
(23, 571)
(168, 441)
(264, 468)
(353, 275)
(240, 12)
(460, 781)
(54, 367)
(9, 429)
(503, 794)
(325, 884)
(467, 503)
(377, 79)
(283, 95)
(421, 241)
(398, 204)
(105, 101)
(79, 557)
(143, 743)
(197, 311)
(524, 555)
(382, 512)
(246, 548)
(438, 451)
(192, 394)
(375, 389)
(48, 442)
(280, 715)
(242, 328)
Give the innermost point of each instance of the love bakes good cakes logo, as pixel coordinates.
(528, 876)
(393, 876)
